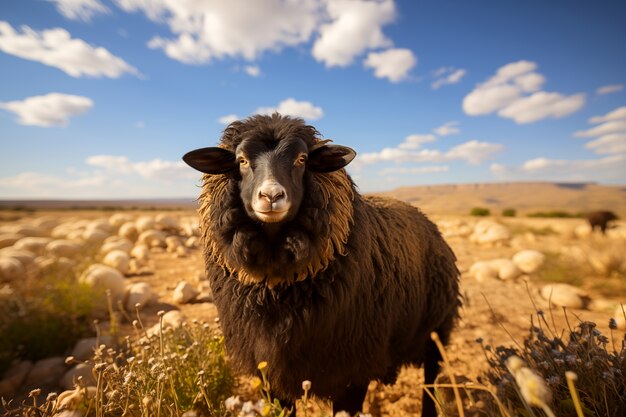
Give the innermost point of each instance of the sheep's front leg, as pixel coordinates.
(351, 400)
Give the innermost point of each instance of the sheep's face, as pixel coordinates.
(270, 170)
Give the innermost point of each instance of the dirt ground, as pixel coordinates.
(496, 311)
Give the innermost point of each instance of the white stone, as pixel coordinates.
(582, 230)
(152, 238)
(167, 222)
(46, 223)
(119, 260)
(192, 242)
(118, 219)
(112, 243)
(11, 270)
(93, 236)
(173, 243)
(490, 232)
(565, 295)
(529, 261)
(36, 245)
(100, 224)
(184, 293)
(45, 371)
(139, 293)
(63, 248)
(128, 231)
(47, 265)
(506, 268)
(483, 271)
(8, 239)
(70, 378)
(140, 252)
(618, 315)
(145, 223)
(85, 348)
(25, 257)
(13, 378)
(102, 278)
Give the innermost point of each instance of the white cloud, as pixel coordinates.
(514, 93)
(415, 170)
(609, 144)
(292, 107)
(617, 114)
(80, 9)
(354, 27)
(416, 141)
(604, 169)
(393, 64)
(610, 132)
(156, 169)
(448, 128)
(57, 48)
(614, 126)
(452, 76)
(215, 29)
(228, 119)
(252, 70)
(36, 181)
(542, 105)
(52, 109)
(609, 89)
(474, 152)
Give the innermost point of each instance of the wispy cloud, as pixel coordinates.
(610, 132)
(82, 10)
(154, 169)
(393, 64)
(448, 128)
(252, 70)
(514, 93)
(292, 107)
(447, 76)
(54, 109)
(609, 89)
(56, 48)
(228, 119)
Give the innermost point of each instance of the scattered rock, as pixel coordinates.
(490, 232)
(45, 371)
(152, 238)
(145, 223)
(102, 278)
(184, 293)
(8, 239)
(70, 378)
(565, 295)
(63, 248)
(529, 261)
(139, 293)
(128, 231)
(85, 348)
(116, 243)
(36, 245)
(14, 378)
(11, 270)
(119, 260)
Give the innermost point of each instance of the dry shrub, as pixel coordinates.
(600, 367)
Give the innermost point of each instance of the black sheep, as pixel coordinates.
(600, 219)
(322, 283)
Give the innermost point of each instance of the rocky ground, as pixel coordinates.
(496, 310)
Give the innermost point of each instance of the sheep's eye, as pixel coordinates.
(243, 161)
(300, 160)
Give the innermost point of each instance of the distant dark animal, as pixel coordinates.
(322, 283)
(600, 219)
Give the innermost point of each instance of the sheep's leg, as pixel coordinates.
(351, 400)
(431, 370)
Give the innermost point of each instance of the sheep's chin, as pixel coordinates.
(271, 216)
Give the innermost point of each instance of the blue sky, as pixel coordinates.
(101, 98)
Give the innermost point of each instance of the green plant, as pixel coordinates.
(166, 373)
(509, 212)
(54, 308)
(480, 211)
(556, 214)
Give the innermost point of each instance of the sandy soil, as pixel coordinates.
(495, 311)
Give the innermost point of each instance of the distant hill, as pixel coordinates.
(525, 197)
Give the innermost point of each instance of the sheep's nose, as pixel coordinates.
(272, 192)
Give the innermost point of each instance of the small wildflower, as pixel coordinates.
(262, 365)
(137, 306)
(612, 324)
(256, 383)
(342, 414)
(135, 323)
(51, 397)
(160, 313)
(34, 393)
(69, 360)
(554, 380)
(479, 340)
(233, 403)
(306, 385)
(532, 387)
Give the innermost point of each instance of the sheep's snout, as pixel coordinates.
(271, 203)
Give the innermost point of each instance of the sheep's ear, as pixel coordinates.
(329, 158)
(211, 160)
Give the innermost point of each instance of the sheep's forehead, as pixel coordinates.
(254, 146)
